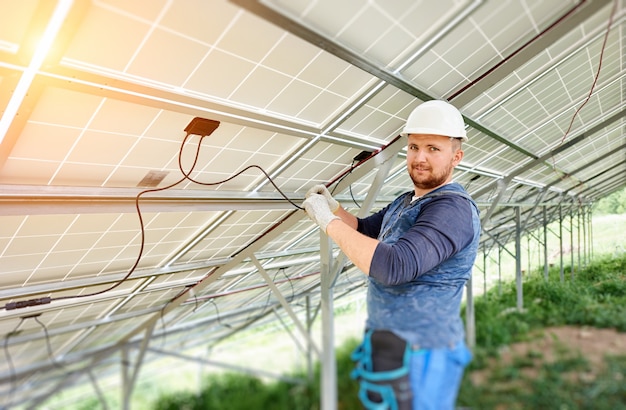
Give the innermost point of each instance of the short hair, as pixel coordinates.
(456, 143)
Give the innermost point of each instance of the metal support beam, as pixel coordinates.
(125, 385)
(571, 241)
(578, 237)
(502, 185)
(358, 60)
(131, 380)
(52, 200)
(557, 30)
(598, 127)
(518, 259)
(241, 369)
(296, 341)
(561, 272)
(585, 242)
(499, 271)
(532, 211)
(328, 380)
(309, 325)
(470, 319)
(98, 390)
(284, 303)
(545, 242)
(39, 398)
(590, 219)
(485, 262)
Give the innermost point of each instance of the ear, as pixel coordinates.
(458, 156)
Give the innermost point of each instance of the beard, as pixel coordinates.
(431, 179)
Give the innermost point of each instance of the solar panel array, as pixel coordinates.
(107, 258)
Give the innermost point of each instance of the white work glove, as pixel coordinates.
(316, 206)
(322, 190)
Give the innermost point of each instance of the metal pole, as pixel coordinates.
(585, 239)
(578, 223)
(571, 241)
(484, 272)
(309, 353)
(561, 274)
(499, 270)
(329, 365)
(545, 244)
(590, 232)
(124, 367)
(99, 393)
(518, 259)
(470, 321)
(528, 262)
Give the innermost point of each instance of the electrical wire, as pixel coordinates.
(352, 167)
(293, 291)
(593, 85)
(597, 75)
(217, 312)
(7, 354)
(48, 344)
(186, 176)
(266, 305)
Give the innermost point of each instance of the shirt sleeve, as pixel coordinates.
(443, 227)
(370, 226)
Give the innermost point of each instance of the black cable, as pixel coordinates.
(142, 226)
(48, 345)
(293, 292)
(241, 172)
(195, 299)
(352, 167)
(12, 374)
(352, 196)
(217, 312)
(162, 312)
(269, 295)
(186, 176)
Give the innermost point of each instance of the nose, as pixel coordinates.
(419, 155)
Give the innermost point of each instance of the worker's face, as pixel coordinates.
(431, 159)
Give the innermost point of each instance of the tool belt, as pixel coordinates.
(382, 370)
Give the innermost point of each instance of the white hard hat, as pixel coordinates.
(436, 117)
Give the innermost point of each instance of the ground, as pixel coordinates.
(593, 344)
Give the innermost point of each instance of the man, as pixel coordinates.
(418, 253)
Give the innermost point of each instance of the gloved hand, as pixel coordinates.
(316, 206)
(322, 190)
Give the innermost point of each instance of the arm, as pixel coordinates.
(443, 228)
(357, 247)
(333, 205)
(347, 217)
(341, 226)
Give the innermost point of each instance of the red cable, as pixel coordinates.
(595, 80)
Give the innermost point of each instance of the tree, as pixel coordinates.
(612, 204)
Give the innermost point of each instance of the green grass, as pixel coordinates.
(231, 391)
(596, 297)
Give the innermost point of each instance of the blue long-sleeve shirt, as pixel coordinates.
(427, 250)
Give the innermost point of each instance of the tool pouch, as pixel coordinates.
(382, 370)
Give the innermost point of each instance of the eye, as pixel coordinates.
(434, 149)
